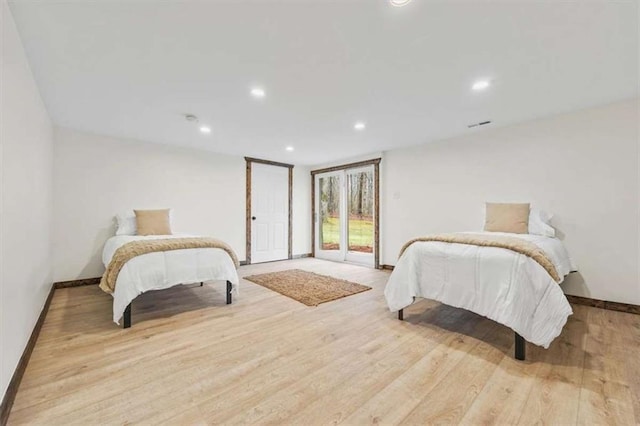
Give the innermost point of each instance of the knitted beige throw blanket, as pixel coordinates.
(518, 245)
(140, 247)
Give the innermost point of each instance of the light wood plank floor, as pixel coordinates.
(189, 358)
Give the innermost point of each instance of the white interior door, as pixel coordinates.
(269, 213)
(345, 216)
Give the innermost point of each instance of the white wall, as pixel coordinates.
(582, 166)
(95, 177)
(26, 143)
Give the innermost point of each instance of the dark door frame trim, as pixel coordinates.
(250, 161)
(376, 206)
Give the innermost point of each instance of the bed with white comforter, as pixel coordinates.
(161, 270)
(500, 284)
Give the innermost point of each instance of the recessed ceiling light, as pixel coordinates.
(205, 129)
(481, 85)
(359, 125)
(258, 92)
(399, 3)
(289, 148)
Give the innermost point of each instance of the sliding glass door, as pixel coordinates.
(345, 221)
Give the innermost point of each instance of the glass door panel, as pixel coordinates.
(330, 233)
(360, 215)
(329, 197)
(360, 208)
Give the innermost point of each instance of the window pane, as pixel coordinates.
(330, 213)
(360, 193)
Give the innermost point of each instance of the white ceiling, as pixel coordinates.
(132, 68)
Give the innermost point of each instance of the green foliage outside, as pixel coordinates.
(360, 233)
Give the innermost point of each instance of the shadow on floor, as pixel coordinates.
(80, 304)
(566, 350)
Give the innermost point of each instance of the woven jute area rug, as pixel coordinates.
(307, 287)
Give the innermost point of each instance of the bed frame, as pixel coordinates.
(126, 320)
(520, 350)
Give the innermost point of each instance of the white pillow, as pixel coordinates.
(539, 223)
(127, 225)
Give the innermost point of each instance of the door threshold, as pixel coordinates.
(348, 262)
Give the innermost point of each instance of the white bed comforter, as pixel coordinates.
(500, 284)
(156, 271)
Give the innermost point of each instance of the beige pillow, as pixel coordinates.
(512, 218)
(153, 222)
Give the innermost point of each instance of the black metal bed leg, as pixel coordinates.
(401, 314)
(127, 317)
(521, 346)
(201, 283)
(229, 288)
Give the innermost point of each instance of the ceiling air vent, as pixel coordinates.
(482, 123)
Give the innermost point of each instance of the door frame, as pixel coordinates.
(250, 161)
(376, 203)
